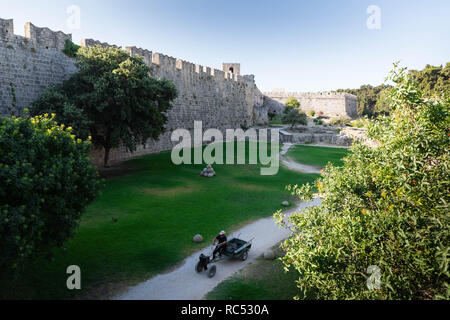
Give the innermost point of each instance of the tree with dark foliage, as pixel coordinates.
(112, 98)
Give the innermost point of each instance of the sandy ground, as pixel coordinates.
(299, 167)
(324, 145)
(184, 283)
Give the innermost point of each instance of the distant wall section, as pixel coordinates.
(330, 103)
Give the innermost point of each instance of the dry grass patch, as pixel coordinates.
(190, 188)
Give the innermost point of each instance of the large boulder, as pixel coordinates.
(285, 203)
(198, 238)
(269, 255)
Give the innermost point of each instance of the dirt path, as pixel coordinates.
(184, 283)
(295, 166)
(327, 145)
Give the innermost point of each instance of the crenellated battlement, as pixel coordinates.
(91, 42)
(170, 64)
(221, 99)
(146, 55)
(41, 51)
(312, 95)
(46, 38)
(30, 63)
(328, 102)
(6, 29)
(37, 37)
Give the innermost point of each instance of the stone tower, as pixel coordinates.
(234, 68)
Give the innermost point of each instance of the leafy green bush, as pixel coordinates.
(294, 117)
(312, 113)
(55, 100)
(70, 48)
(387, 207)
(318, 122)
(291, 103)
(359, 123)
(46, 180)
(339, 121)
(433, 80)
(367, 99)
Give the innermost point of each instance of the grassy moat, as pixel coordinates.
(144, 221)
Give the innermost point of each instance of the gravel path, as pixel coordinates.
(184, 283)
(295, 166)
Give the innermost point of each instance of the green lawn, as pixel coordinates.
(317, 156)
(267, 280)
(159, 207)
(260, 280)
(276, 121)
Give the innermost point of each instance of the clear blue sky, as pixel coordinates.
(296, 45)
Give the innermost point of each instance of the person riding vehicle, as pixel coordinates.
(221, 245)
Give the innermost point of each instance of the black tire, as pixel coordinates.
(212, 271)
(244, 255)
(198, 267)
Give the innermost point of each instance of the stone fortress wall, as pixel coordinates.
(222, 99)
(29, 64)
(330, 103)
(219, 98)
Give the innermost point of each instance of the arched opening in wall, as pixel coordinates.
(230, 73)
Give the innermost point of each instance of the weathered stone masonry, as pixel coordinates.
(219, 99)
(29, 64)
(330, 103)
